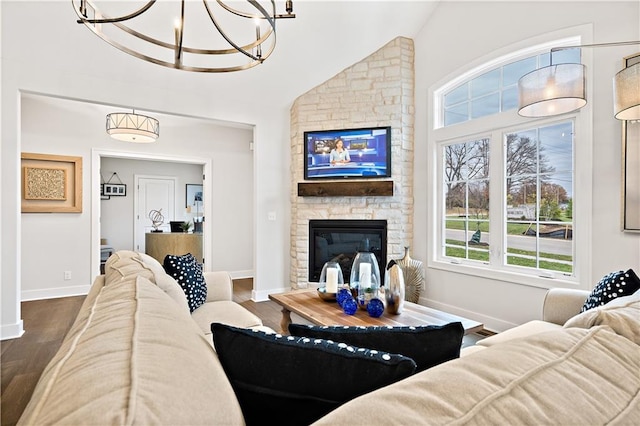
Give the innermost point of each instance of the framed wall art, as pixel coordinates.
(631, 167)
(194, 195)
(51, 183)
(114, 189)
(109, 189)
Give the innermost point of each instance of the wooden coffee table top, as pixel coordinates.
(307, 304)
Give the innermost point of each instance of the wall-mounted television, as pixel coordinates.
(365, 153)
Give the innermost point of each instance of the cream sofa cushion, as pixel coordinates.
(165, 282)
(134, 360)
(525, 330)
(125, 263)
(226, 312)
(567, 376)
(621, 314)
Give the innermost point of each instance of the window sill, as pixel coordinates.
(507, 276)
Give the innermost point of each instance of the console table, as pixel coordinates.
(160, 244)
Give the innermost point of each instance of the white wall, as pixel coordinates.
(117, 213)
(459, 33)
(54, 243)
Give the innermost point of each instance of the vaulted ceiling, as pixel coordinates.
(323, 39)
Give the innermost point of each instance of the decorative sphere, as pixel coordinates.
(343, 294)
(375, 307)
(350, 306)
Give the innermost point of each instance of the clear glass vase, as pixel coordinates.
(331, 277)
(365, 278)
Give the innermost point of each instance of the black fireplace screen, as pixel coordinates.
(341, 240)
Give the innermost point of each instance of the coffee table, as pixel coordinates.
(307, 304)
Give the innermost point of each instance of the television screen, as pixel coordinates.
(351, 153)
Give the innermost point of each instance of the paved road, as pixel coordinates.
(547, 245)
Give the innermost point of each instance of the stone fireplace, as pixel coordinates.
(375, 92)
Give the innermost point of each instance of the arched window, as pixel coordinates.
(505, 185)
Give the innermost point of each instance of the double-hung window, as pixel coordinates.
(505, 186)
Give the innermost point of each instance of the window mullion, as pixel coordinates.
(497, 205)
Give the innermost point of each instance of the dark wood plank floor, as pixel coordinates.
(46, 322)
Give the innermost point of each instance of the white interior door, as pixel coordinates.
(153, 193)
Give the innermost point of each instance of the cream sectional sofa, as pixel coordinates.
(570, 369)
(135, 355)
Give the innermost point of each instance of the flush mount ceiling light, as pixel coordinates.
(561, 88)
(202, 39)
(132, 127)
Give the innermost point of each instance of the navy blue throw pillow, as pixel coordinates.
(187, 272)
(427, 345)
(613, 285)
(287, 380)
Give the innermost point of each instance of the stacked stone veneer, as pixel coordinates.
(377, 91)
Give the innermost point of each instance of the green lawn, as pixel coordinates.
(481, 253)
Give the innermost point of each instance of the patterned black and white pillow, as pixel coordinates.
(291, 380)
(187, 272)
(427, 345)
(613, 285)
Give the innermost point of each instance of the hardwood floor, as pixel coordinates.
(22, 360)
(268, 311)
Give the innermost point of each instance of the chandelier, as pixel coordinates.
(207, 36)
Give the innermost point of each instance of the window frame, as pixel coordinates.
(499, 124)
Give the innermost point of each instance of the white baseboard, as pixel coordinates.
(236, 275)
(11, 331)
(54, 293)
(490, 323)
(262, 296)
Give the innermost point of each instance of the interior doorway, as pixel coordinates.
(152, 189)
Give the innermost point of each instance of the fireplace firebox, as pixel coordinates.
(340, 240)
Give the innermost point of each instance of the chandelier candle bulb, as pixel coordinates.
(332, 280)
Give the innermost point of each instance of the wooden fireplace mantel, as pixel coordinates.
(381, 188)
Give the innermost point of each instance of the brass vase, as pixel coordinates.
(413, 272)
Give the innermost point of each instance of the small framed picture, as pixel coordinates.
(194, 195)
(115, 189)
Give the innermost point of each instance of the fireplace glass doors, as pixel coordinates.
(341, 240)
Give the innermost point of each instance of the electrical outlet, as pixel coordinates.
(67, 275)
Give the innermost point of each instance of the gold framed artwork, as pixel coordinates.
(51, 183)
(631, 167)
